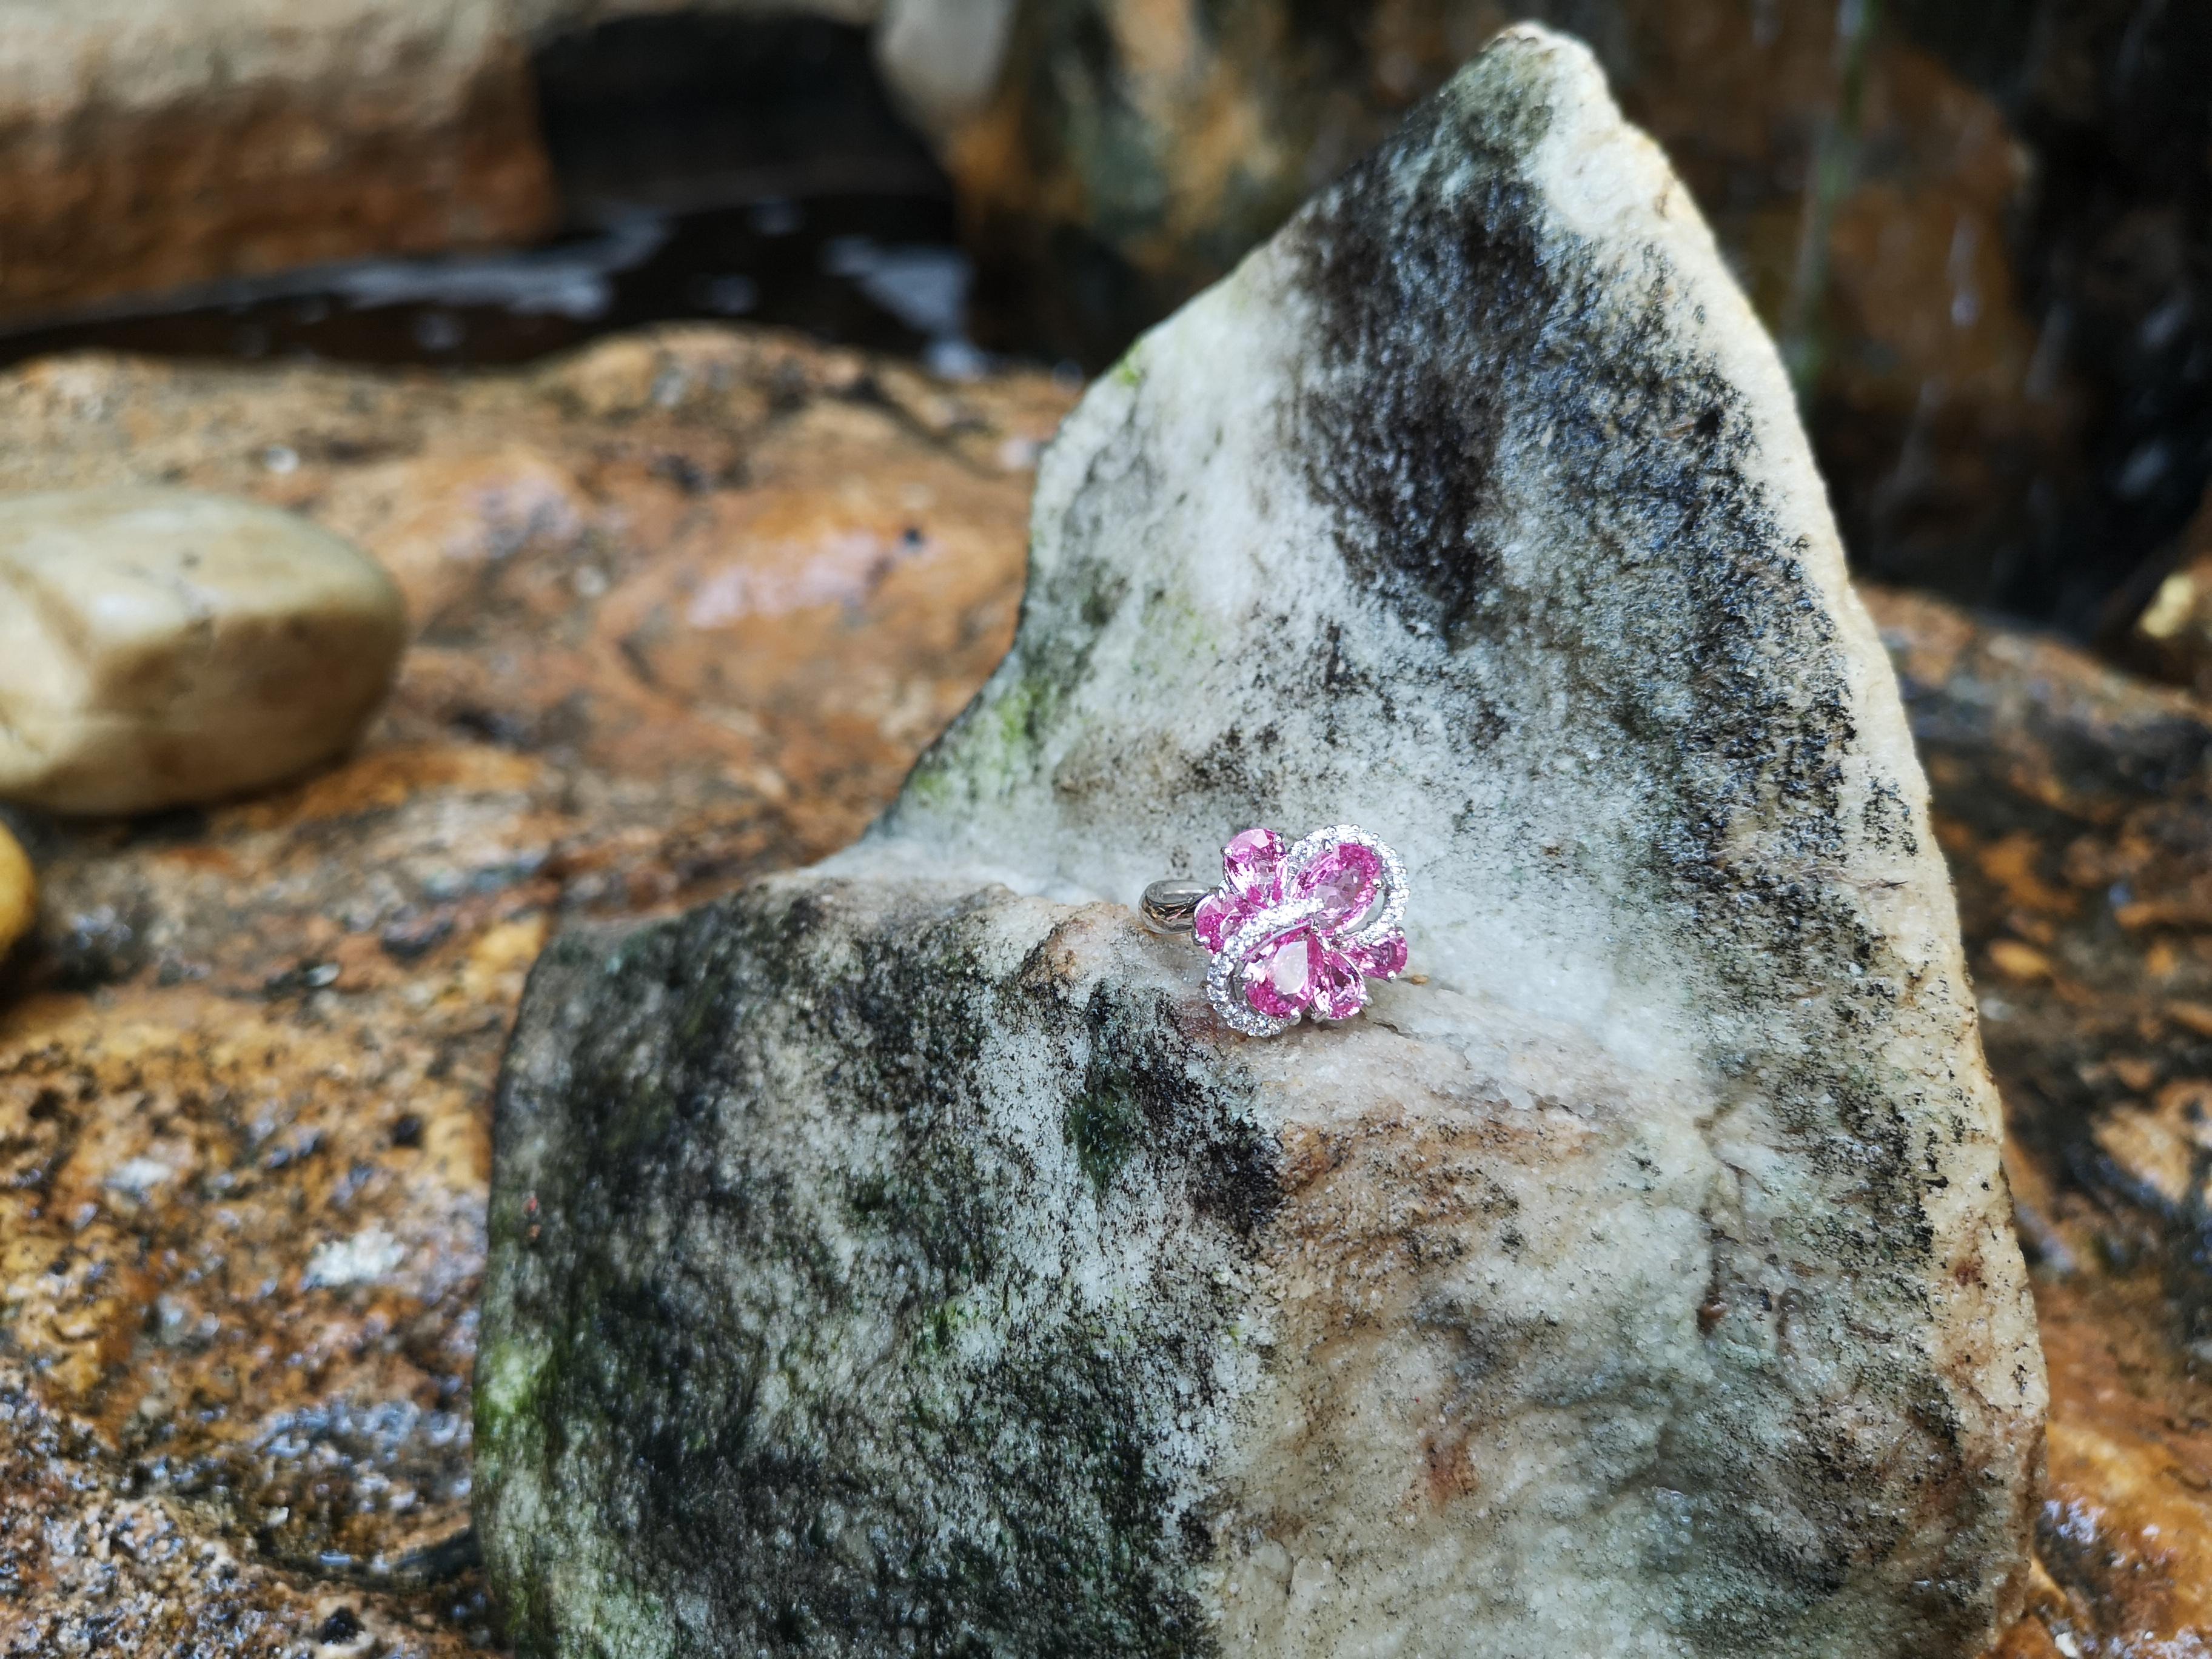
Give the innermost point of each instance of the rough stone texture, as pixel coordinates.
(495, 819)
(900, 1253)
(1980, 232)
(147, 147)
(164, 648)
(245, 1060)
(18, 892)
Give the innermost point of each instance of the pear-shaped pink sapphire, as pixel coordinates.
(1219, 913)
(1341, 990)
(1283, 977)
(1345, 879)
(1310, 957)
(1384, 959)
(1253, 863)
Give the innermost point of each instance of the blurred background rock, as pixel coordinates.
(1982, 230)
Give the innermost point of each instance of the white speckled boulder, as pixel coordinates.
(900, 1257)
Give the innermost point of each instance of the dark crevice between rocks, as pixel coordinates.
(684, 110)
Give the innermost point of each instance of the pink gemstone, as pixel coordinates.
(1342, 991)
(1384, 959)
(1283, 977)
(1253, 862)
(1345, 879)
(1218, 915)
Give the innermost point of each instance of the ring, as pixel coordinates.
(1291, 931)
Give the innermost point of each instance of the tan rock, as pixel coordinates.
(146, 147)
(162, 646)
(18, 892)
(2173, 634)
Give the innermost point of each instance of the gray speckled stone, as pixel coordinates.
(900, 1258)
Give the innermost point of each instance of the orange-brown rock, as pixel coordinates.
(686, 606)
(2125, 1533)
(150, 147)
(2075, 804)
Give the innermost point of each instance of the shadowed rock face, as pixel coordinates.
(902, 1254)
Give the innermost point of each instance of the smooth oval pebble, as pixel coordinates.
(18, 892)
(159, 647)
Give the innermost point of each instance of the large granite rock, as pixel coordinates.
(901, 1255)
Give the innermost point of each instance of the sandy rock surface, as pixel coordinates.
(882, 1251)
(167, 647)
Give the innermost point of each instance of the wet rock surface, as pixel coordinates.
(2071, 802)
(881, 1252)
(687, 607)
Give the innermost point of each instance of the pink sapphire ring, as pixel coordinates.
(1293, 930)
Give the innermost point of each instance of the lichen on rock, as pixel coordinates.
(899, 1256)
